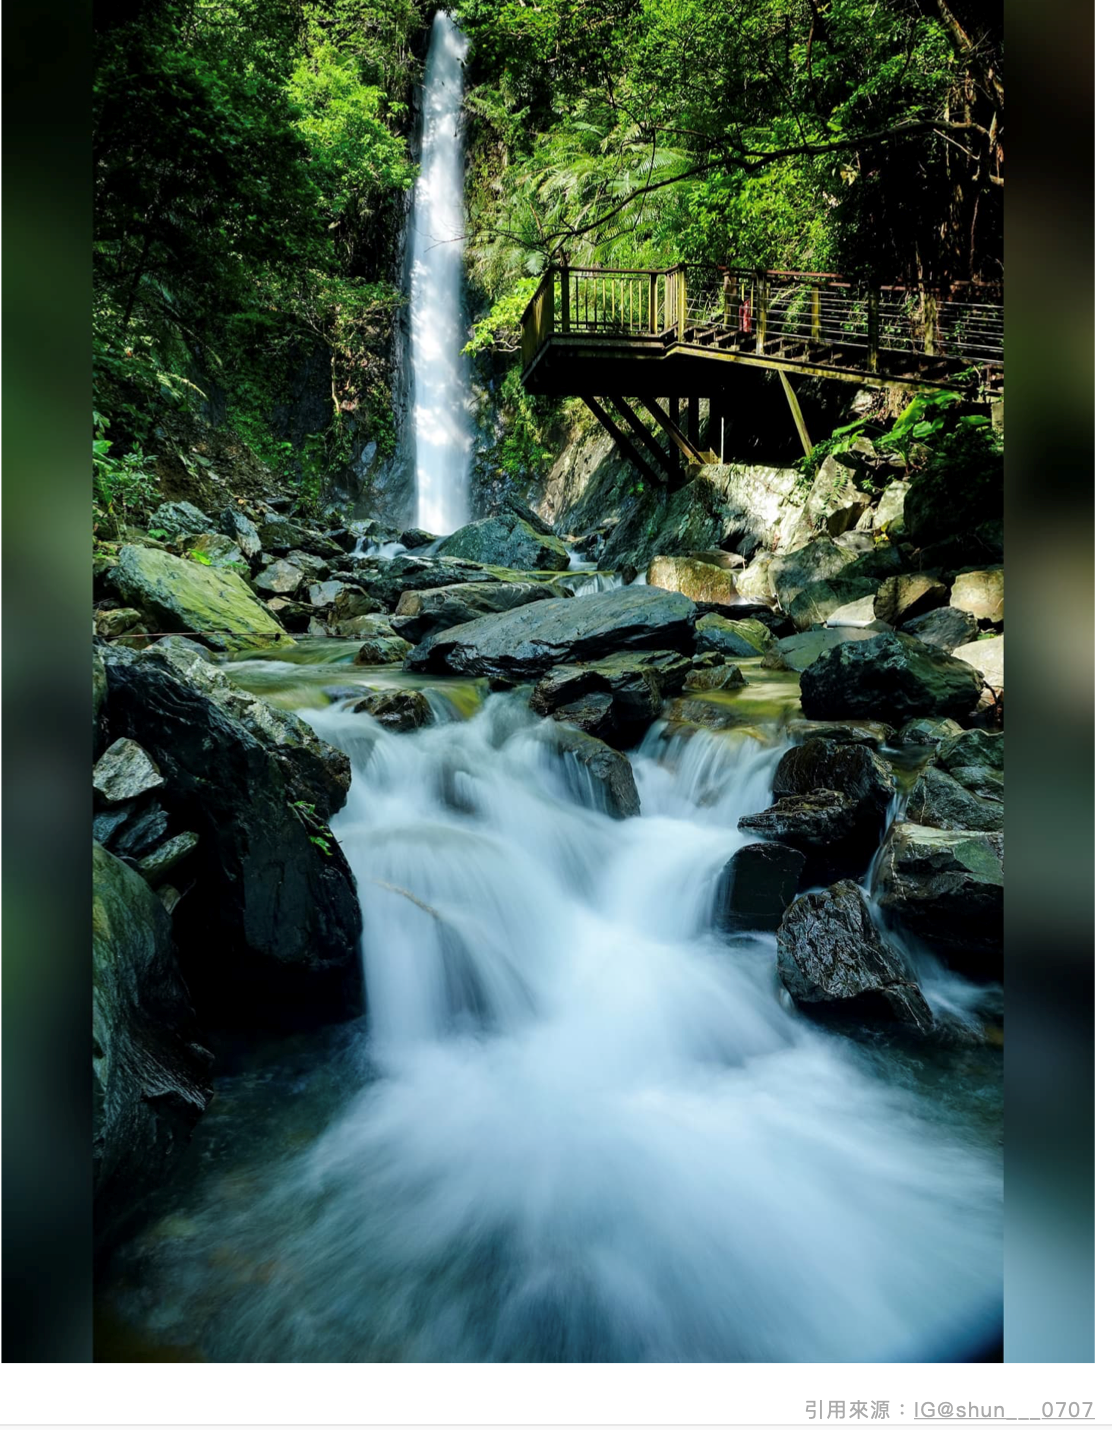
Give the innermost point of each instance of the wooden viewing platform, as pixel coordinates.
(686, 333)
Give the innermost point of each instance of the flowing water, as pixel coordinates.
(442, 435)
(580, 1122)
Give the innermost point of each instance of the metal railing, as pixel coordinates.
(817, 317)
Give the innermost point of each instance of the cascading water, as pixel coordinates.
(441, 434)
(591, 1127)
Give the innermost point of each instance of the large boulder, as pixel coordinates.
(217, 606)
(179, 518)
(889, 514)
(824, 825)
(822, 600)
(851, 768)
(987, 658)
(949, 498)
(947, 888)
(945, 627)
(124, 772)
(270, 933)
(820, 560)
(758, 884)
(834, 503)
(422, 613)
(243, 531)
(964, 787)
(830, 955)
(386, 580)
(523, 643)
(150, 1072)
(614, 699)
(397, 710)
(279, 536)
(507, 539)
(699, 580)
(981, 593)
(602, 776)
(800, 651)
(891, 678)
(907, 595)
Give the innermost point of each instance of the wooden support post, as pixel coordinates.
(628, 448)
(669, 425)
(652, 302)
(693, 421)
(797, 414)
(816, 314)
(717, 425)
(873, 361)
(761, 286)
(930, 323)
(565, 300)
(645, 437)
(674, 420)
(681, 302)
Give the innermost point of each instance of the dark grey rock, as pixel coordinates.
(397, 710)
(744, 638)
(946, 628)
(157, 864)
(614, 699)
(603, 776)
(927, 730)
(179, 518)
(797, 652)
(891, 678)
(758, 884)
(829, 952)
(423, 613)
(150, 1072)
(507, 540)
(270, 934)
(525, 642)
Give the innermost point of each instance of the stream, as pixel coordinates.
(581, 1122)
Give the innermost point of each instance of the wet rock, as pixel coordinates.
(706, 713)
(157, 864)
(601, 774)
(423, 613)
(981, 593)
(758, 884)
(946, 627)
(614, 699)
(719, 677)
(316, 568)
(293, 615)
(509, 540)
(278, 535)
(413, 537)
(852, 769)
(183, 596)
(526, 642)
(150, 1072)
(891, 677)
(124, 772)
(698, 580)
(269, 935)
(184, 646)
(824, 825)
(927, 730)
(799, 651)
(232, 522)
(385, 648)
(939, 799)
(179, 518)
(117, 622)
(947, 888)
(907, 595)
(829, 952)
(972, 750)
(397, 710)
(843, 732)
(742, 638)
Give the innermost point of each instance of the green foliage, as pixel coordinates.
(316, 827)
(249, 156)
(124, 488)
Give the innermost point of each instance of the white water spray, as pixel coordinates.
(440, 415)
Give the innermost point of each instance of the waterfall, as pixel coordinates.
(439, 416)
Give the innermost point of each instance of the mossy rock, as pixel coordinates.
(185, 596)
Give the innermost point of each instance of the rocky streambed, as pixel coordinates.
(658, 928)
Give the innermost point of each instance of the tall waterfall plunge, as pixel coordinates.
(441, 424)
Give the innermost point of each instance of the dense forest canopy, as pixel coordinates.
(252, 158)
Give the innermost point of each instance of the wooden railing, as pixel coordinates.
(779, 314)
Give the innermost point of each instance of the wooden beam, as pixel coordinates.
(627, 447)
(642, 433)
(671, 428)
(797, 414)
